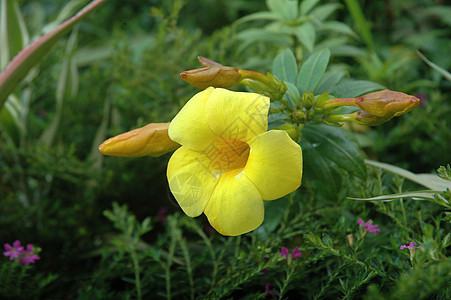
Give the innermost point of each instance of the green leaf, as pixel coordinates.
(254, 35)
(18, 68)
(433, 196)
(324, 11)
(293, 92)
(285, 66)
(263, 15)
(286, 9)
(306, 34)
(339, 27)
(430, 181)
(320, 174)
(349, 88)
(329, 80)
(307, 6)
(439, 69)
(337, 145)
(312, 70)
(361, 23)
(13, 33)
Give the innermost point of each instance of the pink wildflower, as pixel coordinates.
(295, 254)
(368, 227)
(28, 256)
(411, 245)
(284, 252)
(13, 251)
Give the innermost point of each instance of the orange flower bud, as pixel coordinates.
(215, 76)
(150, 140)
(385, 104)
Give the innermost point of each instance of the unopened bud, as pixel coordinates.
(297, 116)
(206, 62)
(364, 118)
(215, 76)
(385, 104)
(150, 140)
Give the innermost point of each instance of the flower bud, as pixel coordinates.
(150, 140)
(385, 104)
(206, 62)
(215, 76)
(364, 118)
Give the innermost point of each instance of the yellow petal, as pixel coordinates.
(189, 127)
(237, 115)
(275, 164)
(152, 140)
(190, 180)
(235, 207)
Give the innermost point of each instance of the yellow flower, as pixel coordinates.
(229, 162)
(150, 140)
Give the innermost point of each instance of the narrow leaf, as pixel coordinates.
(312, 70)
(361, 23)
(32, 54)
(439, 69)
(430, 181)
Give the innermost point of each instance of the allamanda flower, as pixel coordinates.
(229, 163)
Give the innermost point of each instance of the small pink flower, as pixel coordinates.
(295, 254)
(28, 256)
(13, 251)
(411, 245)
(368, 227)
(284, 252)
(268, 291)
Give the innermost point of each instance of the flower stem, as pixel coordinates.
(136, 267)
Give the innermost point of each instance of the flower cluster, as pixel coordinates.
(369, 227)
(25, 256)
(295, 254)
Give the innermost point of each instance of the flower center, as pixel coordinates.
(227, 154)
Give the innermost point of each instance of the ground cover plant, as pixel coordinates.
(247, 149)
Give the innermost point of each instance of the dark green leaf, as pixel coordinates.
(337, 145)
(319, 173)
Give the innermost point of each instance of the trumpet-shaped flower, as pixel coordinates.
(229, 162)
